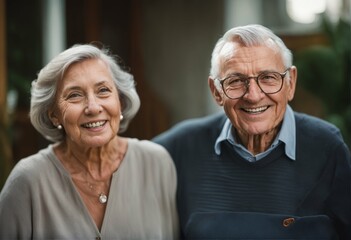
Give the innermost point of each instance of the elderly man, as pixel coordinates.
(261, 170)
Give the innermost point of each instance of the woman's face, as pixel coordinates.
(87, 104)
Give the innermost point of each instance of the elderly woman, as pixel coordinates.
(91, 183)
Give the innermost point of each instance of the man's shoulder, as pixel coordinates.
(313, 123)
(195, 126)
(202, 122)
(310, 127)
(188, 138)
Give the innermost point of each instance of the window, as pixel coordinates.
(308, 11)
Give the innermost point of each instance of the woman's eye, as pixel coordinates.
(104, 90)
(73, 95)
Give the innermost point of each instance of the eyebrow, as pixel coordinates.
(103, 82)
(76, 87)
(244, 75)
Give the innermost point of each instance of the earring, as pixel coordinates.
(121, 117)
(59, 127)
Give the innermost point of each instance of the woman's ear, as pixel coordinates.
(53, 117)
(217, 95)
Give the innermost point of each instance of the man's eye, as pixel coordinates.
(269, 76)
(236, 81)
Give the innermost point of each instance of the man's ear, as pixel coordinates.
(292, 82)
(217, 95)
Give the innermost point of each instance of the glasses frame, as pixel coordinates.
(247, 82)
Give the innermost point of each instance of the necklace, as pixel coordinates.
(102, 197)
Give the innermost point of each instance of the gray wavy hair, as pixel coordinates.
(249, 36)
(44, 88)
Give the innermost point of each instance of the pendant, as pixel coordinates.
(102, 198)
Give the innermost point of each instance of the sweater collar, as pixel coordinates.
(286, 135)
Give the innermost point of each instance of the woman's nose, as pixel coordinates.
(92, 106)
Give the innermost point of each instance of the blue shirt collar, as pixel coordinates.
(286, 135)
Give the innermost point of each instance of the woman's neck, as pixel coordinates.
(100, 163)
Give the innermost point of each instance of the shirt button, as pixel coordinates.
(288, 221)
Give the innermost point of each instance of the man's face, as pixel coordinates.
(255, 113)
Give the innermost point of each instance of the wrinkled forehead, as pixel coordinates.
(230, 48)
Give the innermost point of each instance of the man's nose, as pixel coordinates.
(253, 91)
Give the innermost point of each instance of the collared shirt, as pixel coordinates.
(286, 135)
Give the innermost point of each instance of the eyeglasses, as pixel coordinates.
(236, 85)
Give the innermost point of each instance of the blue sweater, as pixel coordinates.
(227, 197)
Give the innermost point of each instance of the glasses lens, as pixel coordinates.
(270, 82)
(234, 87)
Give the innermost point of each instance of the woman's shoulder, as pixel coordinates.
(150, 161)
(145, 152)
(33, 166)
(146, 148)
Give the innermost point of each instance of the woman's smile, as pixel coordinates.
(96, 124)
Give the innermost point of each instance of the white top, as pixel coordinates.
(40, 201)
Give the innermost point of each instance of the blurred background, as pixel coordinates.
(167, 46)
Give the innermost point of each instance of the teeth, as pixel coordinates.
(94, 124)
(255, 110)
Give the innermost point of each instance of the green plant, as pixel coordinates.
(325, 72)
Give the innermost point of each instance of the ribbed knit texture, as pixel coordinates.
(229, 183)
(208, 183)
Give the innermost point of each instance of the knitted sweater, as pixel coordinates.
(40, 200)
(227, 197)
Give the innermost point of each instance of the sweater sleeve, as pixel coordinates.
(15, 205)
(340, 199)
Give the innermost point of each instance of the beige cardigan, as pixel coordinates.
(39, 200)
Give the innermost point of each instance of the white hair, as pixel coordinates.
(248, 36)
(44, 88)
